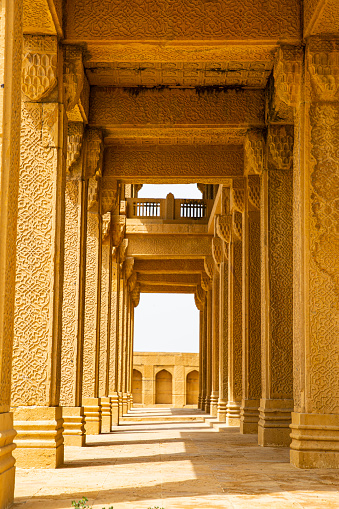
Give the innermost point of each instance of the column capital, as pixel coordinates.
(73, 75)
(287, 76)
(217, 251)
(94, 151)
(93, 194)
(109, 194)
(237, 225)
(209, 266)
(39, 66)
(106, 225)
(205, 281)
(280, 141)
(238, 194)
(253, 191)
(135, 294)
(118, 229)
(199, 297)
(223, 226)
(129, 264)
(75, 136)
(254, 148)
(322, 57)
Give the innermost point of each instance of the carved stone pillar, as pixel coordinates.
(203, 365)
(235, 323)
(40, 250)
(113, 356)
(223, 341)
(217, 250)
(208, 349)
(105, 326)
(10, 68)
(74, 290)
(91, 400)
(276, 289)
(251, 316)
(315, 420)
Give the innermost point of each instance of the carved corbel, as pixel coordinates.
(226, 199)
(39, 66)
(201, 188)
(199, 298)
(217, 250)
(237, 225)
(253, 191)
(223, 226)
(135, 294)
(287, 76)
(106, 225)
(109, 194)
(118, 229)
(132, 281)
(280, 147)
(238, 194)
(94, 152)
(129, 264)
(93, 194)
(209, 266)
(73, 75)
(75, 134)
(323, 66)
(205, 281)
(123, 251)
(254, 149)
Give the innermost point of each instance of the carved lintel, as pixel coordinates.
(287, 76)
(323, 66)
(73, 75)
(94, 152)
(109, 194)
(75, 133)
(118, 229)
(237, 225)
(254, 148)
(39, 66)
(209, 266)
(280, 146)
(93, 194)
(132, 281)
(129, 264)
(217, 250)
(106, 225)
(253, 190)
(205, 281)
(224, 227)
(238, 194)
(123, 250)
(226, 199)
(135, 294)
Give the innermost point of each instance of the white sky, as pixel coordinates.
(165, 322)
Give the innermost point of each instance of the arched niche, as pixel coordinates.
(163, 388)
(192, 387)
(137, 386)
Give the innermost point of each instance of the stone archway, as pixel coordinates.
(163, 388)
(192, 388)
(137, 387)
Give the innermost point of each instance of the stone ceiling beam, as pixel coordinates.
(166, 289)
(117, 107)
(161, 267)
(170, 279)
(176, 246)
(174, 163)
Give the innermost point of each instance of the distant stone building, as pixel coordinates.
(169, 379)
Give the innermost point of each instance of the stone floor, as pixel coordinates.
(174, 465)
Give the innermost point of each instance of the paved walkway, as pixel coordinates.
(174, 465)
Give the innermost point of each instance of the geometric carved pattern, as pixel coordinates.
(94, 152)
(237, 224)
(73, 75)
(118, 229)
(109, 194)
(280, 146)
(323, 66)
(254, 148)
(238, 194)
(253, 190)
(224, 227)
(205, 280)
(209, 266)
(93, 194)
(217, 250)
(287, 75)
(39, 66)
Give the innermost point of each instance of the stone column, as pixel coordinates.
(276, 218)
(105, 326)
(91, 400)
(209, 348)
(315, 420)
(251, 315)
(235, 322)
(217, 256)
(10, 68)
(223, 341)
(201, 328)
(40, 249)
(203, 366)
(74, 289)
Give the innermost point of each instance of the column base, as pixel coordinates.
(129, 401)
(233, 413)
(115, 409)
(120, 396)
(214, 404)
(124, 403)
(202, 403)
(222, 404)
(92, 409)
(7, 461)
(315, 440)
(208, 404)
(249, 416)
(106, 415)
(39, 441)
(274, 422)
(74, 426)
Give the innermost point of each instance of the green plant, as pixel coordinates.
(81, 504)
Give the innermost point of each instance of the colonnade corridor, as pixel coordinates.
(174, 465)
